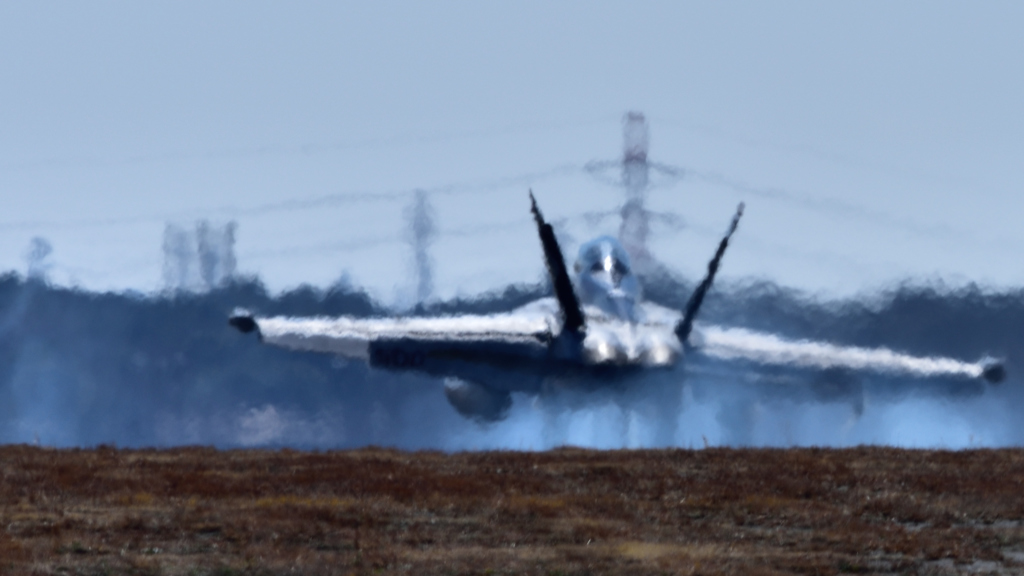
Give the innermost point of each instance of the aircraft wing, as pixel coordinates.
(769, 349)
(404, 342)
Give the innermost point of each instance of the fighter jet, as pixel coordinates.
(596, 332)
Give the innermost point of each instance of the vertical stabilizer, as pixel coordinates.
(572, 314)
(697, 298)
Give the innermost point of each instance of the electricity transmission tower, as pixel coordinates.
(200, 258)
(422, 230)
(635, 180)
(635, 226)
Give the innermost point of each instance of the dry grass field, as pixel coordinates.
(569, 511)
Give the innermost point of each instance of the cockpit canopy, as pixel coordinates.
(605, 278)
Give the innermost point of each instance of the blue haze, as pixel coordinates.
(80, 368)
(875, 143)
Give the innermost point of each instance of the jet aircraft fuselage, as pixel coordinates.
(597, 331)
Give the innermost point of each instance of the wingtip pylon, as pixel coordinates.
(243, 321)
(993, 371)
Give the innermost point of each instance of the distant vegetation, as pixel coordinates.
(83, 368)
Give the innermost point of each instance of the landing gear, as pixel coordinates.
(476, 401)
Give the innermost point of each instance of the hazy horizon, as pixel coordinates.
(873, 142)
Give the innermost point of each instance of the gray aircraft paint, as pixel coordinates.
(623, 339)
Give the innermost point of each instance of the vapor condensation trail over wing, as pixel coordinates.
(738, 343)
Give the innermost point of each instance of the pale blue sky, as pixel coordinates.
(872, 141)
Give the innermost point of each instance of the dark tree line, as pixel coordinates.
(84, 368)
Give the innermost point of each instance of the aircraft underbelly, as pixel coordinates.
(515, 365)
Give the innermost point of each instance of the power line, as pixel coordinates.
(309, 148)
(822, 205)
(298, 204)
(470, 187)
(672, 221)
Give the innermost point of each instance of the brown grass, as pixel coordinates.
(717, 511)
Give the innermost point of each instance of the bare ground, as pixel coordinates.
(569, 511)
